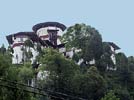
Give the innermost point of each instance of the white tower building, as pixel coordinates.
(50, 31)
(16, 41)
(44, 33)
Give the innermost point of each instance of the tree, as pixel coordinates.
(131, 63)
(29, 43)
(60, 69)
(110, 96)
(90, 85)
(9, 74)
(122, 93)
(123, 71)
(65, 76)
(3, 49)
(27, 54)
(121, 61)
(4, 64)
(84, 38)
(26, 73)
(105, 61)
(10, 50)
(131, 81)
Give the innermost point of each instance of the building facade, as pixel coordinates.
(46, 34)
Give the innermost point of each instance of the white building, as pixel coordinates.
(47, 34)
(114, 48)
(16, 41)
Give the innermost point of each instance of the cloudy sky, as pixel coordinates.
(113, 18)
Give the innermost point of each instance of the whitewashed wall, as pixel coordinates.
(18, 53)
(113, 55)
(43, 31)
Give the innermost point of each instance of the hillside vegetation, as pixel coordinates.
(64, 76)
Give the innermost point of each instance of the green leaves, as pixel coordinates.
(65, 76)
(4, 65)
(110, 96)
(61, 70)
(86, 38)
(60, 74)
(90, 85)
(29, 43)
(26, 73)
(3, 49)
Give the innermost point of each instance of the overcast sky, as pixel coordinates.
(113, 18)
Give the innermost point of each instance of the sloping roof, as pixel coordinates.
(114, 45)
(46, 24)
(9, 39)
(31, 35)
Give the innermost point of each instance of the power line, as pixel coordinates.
(40, 91)
(31, 91)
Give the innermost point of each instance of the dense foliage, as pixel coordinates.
(102, 80)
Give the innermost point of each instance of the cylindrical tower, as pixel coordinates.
(49, 31)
